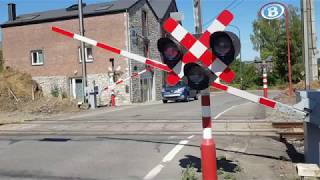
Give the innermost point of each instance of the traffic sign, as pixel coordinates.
(272, 11)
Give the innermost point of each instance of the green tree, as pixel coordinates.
(250, 75)
(269, 37)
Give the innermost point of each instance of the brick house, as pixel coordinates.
(54, 61)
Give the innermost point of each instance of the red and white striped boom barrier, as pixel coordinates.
(243, 94)
(104, 46)
(120, 81)
(260, 100)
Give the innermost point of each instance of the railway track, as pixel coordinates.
(149, 126)
(289, 130)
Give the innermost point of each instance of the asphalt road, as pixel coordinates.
(154, 141)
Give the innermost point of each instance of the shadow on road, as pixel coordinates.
(294, 155)
(147, 141)
(191, 161)
(195, 162)
(55, 139)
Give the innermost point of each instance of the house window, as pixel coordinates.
(146, 49)
(37, 57)
(88, 53)
(144, 23)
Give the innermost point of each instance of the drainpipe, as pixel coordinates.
(129, 50)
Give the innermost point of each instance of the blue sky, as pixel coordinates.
(245, 12)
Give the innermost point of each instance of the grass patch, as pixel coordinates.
(190, 173)
(229, 176)
(227, 169)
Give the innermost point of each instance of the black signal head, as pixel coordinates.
(225, 45)
(170, 51)
(197, 76)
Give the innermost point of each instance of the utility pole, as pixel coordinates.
(306, 54)
(313, 40)
(310, 50)
(208, 147)
(82, 50)
(305, 43)
(197, 16)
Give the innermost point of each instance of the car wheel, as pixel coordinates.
(165, 101)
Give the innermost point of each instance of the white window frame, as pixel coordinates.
(38, 57)
(86, 54)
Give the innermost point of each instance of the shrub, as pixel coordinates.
(190, 173)
(55, 91)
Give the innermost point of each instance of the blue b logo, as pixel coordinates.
(272, 11)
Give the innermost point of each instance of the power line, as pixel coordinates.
(236, 5)
(229, 7)
(232, 2)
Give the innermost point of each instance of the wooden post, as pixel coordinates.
(32, 92)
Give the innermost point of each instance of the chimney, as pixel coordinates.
(12, 11)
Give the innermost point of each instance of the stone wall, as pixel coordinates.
(48, 83)
(135, 22)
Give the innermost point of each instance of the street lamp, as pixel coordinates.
(240, 68)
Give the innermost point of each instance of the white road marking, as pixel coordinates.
(230, 108)
(174, 151)
(154, 172)
(167, 158)
(190, 137)
(220, 114)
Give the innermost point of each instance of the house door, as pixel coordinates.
(146, 89)
(76, 89)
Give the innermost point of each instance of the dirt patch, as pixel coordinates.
(313, 85)
(284, 95)
(50, 106)
(19, 93)
(16, 89)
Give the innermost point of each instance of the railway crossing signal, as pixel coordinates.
(206, 59)
(199, 49)
(217, 67)
(225, 47)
